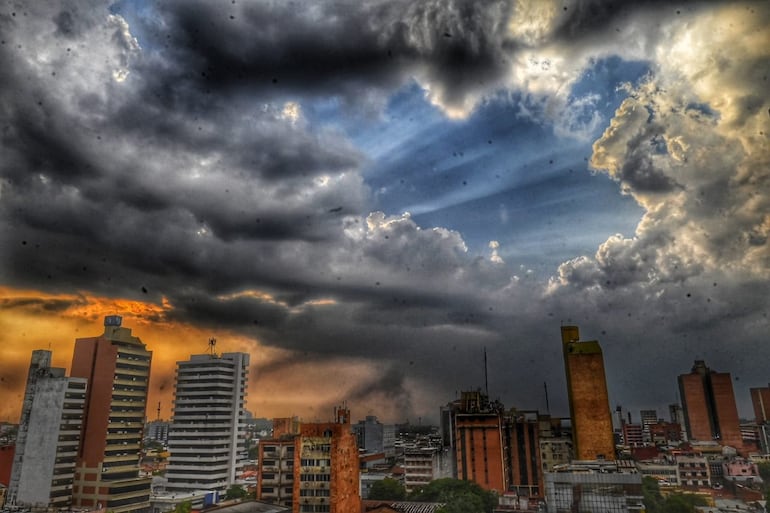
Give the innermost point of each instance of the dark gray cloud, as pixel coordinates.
(458, 45)
(181, 168)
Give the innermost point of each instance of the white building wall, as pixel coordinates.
(206, 438)
(49, 428)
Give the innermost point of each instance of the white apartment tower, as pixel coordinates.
(206, 440)
(48, 438)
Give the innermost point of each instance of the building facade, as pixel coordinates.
(311, 467)
(206, 440)
(760, 400)
(521, 439)
(478, 439)
(275, 481)
(48, 437)
(588, 398)
(709, 408)
(117, 367)
(593, 486)
(326, 467)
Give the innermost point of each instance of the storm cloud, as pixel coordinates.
(183, 160)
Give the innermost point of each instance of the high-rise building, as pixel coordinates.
(708, 403)
(48, 437)
(478, 439)
(313, 467)
(275, 480)
(326, 464)
(760, 400)
(117, 367)
(521, 439)
(206, 441)
(589, 404)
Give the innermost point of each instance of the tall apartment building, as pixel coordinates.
(312, 467)
(326, 467)
(206, 440)
(48, 437)
(708, 403)
(521, 439)
(421, 465)
(117, 367)
(478, 439)
(760, 400)
(589, 404)
(275, 482)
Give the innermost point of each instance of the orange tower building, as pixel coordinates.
(478, 438)
(589, 404)
(117, 366)
(708, 401)
(760, 400)
(312, 467)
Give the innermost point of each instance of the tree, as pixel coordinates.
(183, 507)
(764, 471)
(459, 496)
(387, 489)
(235, 492)
(683, 503)
(653, 501)
(674, 503)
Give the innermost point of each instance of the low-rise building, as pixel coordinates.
(693, 471)
(598, 486)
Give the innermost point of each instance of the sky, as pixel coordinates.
(369, 196)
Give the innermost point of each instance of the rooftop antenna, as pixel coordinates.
(486, 381)
(158, 410)
(212, 343)
(547, 406)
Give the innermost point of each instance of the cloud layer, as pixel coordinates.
(171, 162)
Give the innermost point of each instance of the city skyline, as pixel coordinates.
(366, 197)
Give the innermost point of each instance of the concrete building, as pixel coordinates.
(369, 434)
(375, 437)
(478, 438)
(275, 480)
(521, 439)
(117, 367)
(647, 418)
(312, 467)
(664, 433)
(206, 440)
(48, 437)
(693, 471)
(588, 399)
(421, 466)
(326, 467)
(708, 403)
(157, 431)
(666, 474)
(633, 435)
(597, 486)
(760, 400)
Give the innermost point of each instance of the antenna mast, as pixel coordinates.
(547, 406)
(158, 410)
(486, 381)
(212, 343)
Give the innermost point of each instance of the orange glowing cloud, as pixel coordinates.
(282, 383)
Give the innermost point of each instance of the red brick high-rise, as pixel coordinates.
(589, 404)
(478, 439)
(311, 466)
(708, 402)
(760, 400)
(117, 366)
